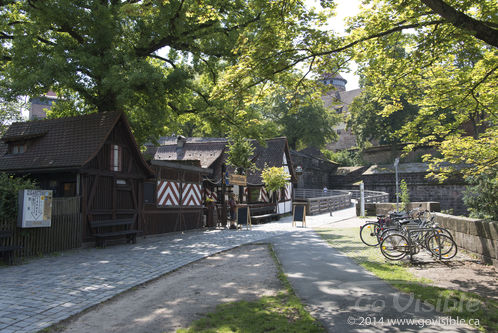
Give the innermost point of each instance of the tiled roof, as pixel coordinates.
(402, 168)
(57, 143)
(209, 150)
(168, 140)
(205, 152)
(271, 156)
(347, 97)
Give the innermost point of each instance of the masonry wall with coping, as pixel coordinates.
(477, 236)
(449, 194)
(383, 208)
(474, 235)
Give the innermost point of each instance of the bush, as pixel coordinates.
(481, 197)
(345, 157)
(405, 195)
(9, 189)
(274, 178)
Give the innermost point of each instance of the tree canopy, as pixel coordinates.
(154, 59)
(441, 57)
(208, 65)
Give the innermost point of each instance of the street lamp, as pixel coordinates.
(396, 162)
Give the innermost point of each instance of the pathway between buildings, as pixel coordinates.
(47, 290)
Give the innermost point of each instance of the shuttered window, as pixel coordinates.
(116, 158)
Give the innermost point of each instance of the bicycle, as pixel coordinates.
(397, 245)
(371, 231)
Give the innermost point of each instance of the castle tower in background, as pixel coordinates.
(339, 99)
(40, 105)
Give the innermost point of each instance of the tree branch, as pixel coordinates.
(163, 59)
(349, 45)
(192, 34)
(3, 35)
(72, 33)
(476, 28)
(46, 41)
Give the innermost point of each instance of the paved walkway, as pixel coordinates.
(344, 297)
(45, 291)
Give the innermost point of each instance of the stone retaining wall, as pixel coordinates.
(477, 236)
(372, 209)
(474, 235)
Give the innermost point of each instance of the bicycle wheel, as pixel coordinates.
(395, 246)
(369, 233)
(444, 231)
(442, 245)
(386, 231)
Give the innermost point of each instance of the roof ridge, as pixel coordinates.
(68, 117)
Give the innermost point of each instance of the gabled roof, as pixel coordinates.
(205, 152)
(211, 152)
(62, 143)
(272, 156)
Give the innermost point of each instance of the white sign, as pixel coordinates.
(35, 208)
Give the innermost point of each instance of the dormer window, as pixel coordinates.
(17, 148)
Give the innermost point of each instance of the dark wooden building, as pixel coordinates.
(211, 153)
(173, 200)
(317, 170)
(92, 156)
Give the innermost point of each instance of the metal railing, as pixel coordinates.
(370, 196)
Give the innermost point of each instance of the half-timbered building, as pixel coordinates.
(93, 156)
(211, 153)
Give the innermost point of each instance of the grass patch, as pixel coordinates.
(281, 313)
(455, 303)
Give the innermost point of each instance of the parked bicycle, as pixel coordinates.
(401, 234)
(397, 245)
(371, 231)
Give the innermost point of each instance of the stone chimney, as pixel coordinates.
(180, 143)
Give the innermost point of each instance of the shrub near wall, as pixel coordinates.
(477, 236)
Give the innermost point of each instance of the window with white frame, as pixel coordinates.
(116, 158)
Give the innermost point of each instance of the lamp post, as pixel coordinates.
(299, 172)
(396, 162)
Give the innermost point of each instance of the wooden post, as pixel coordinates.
(223, 191)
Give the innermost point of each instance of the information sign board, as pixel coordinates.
(240, 180)
(35, 208)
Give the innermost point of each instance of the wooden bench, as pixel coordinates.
(7, 251)
(111, 229)
(263, 214)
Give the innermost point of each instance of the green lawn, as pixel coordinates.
(281, 313)
(448, 301)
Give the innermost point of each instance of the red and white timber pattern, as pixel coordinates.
(288, 191)
(263, 195)
(192, 195)
(168, 193)
(211, 194)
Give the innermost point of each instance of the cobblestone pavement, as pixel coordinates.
(47, 290)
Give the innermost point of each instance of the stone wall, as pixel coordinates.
(449, 194)
(477, 236)
(382, 208)
(346, 177)
(386, 154)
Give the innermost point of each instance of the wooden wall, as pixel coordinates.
(63, 234)
(162, 220)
